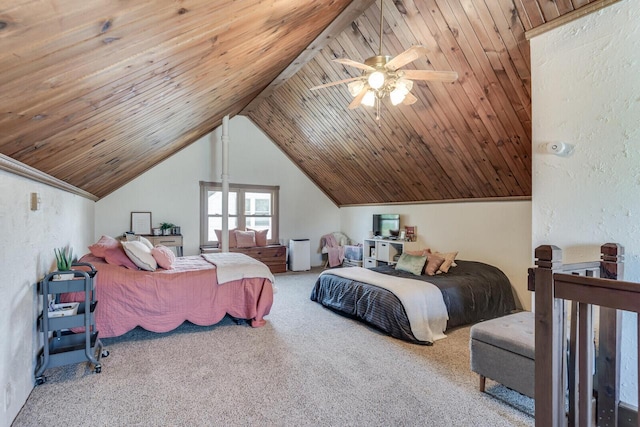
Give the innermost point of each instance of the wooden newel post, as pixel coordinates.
(612, 264)
(549, 319)
(608, 361)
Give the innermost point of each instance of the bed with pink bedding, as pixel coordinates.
(162, 300)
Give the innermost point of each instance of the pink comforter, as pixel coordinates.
(161, 301)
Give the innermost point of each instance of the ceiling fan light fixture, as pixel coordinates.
(369, 99)
(382, 76)
(398, 95)
(400, 91)
(376, 79)
(405, 84)
(355, 87)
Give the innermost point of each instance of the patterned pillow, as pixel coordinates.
(411, 263)
(164, 257)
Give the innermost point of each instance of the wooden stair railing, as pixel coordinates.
(584, 285)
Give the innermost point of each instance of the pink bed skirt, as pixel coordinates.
(161, 301)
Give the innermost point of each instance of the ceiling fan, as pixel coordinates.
(382, 76)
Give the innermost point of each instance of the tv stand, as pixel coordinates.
(378, 250)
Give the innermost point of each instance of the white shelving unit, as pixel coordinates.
(377, 251)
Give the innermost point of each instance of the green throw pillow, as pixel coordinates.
(411, 263)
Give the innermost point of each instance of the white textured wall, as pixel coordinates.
(26, 255)
(586, 91)
(497, 233)
(171, 190)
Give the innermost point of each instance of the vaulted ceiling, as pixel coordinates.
(95, 93)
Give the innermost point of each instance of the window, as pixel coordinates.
(250, 206)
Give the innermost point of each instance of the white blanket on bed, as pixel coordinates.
(422, 301)
(232, 266)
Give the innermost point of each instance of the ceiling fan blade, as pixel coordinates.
(409, 99)
(409, 55)
(437, 76)
(358, 99)
(351, 62)
(335, 83)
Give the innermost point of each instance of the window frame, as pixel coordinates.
(240, 189)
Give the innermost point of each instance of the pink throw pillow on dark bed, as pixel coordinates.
(106, 242)
(164, 257)
(117, 256)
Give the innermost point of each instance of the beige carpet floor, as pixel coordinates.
(307, 366)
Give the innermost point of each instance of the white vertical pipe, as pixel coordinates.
(225, 184)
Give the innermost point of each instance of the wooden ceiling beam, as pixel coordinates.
(594, 6)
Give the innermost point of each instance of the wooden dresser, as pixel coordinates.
(274, 256)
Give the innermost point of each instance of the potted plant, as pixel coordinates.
(64, 261)
(166, 228)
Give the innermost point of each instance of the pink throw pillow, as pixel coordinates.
(164, 257)
(261, 236)
(433, 264)
(246, 239)
(117, 256)
(106, 242)
(449, 260)
(232, 238)
(421, 252)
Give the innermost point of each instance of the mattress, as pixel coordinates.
(472, 291)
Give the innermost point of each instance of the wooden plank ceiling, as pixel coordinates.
(95, 93)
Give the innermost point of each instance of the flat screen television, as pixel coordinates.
(386, 225)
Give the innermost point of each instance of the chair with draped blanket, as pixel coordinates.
(333, 245)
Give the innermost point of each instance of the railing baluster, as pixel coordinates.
(610, 335)
(572, 367)
(585, 364)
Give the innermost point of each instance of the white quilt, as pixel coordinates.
(232, 266)
(422, 301)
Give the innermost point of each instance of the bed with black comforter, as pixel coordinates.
(472, 291)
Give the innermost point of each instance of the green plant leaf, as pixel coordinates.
(64, 258)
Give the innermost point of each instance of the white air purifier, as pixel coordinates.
(299, 255)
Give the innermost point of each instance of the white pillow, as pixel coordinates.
(138, 238)
(146, 242)
(140, 255)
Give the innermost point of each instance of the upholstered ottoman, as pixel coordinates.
(503, 349)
